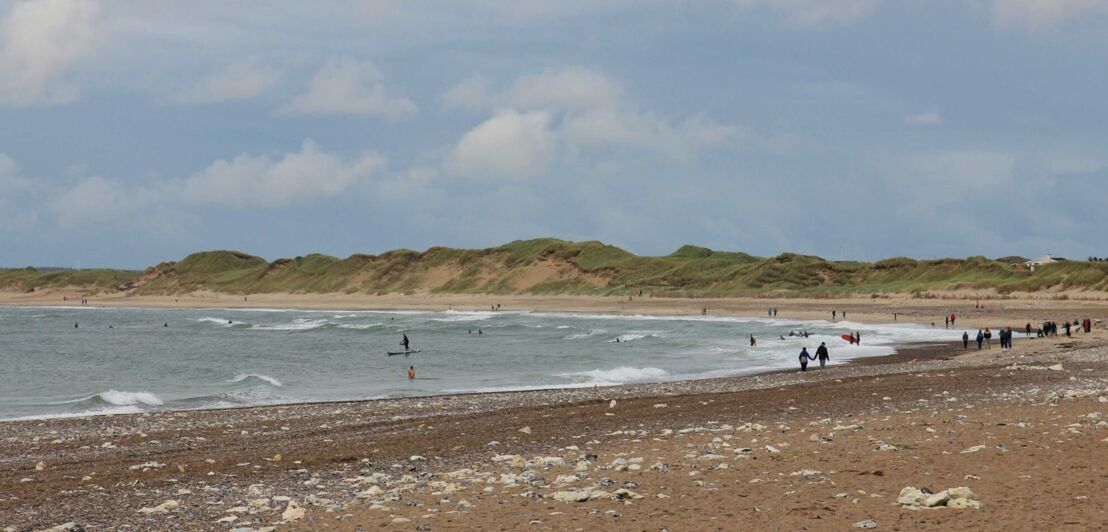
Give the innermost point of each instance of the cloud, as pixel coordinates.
(1043, 14)
(97, 200)
(16, 192)
(928, 118)
(511, 144)
(43, 41)
(297, 177)
(242, 80)
(471, 94)
(345, 86)
(814, 13)
(573, 88)
(576, 109)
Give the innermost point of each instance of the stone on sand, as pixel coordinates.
(293, 512)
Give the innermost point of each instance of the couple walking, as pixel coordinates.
(821, 355)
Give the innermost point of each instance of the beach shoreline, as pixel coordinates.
(244, 467)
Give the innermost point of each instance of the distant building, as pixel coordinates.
(1041, 261)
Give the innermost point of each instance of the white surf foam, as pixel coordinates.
(119, 398)
(243, 376)
(299, 324)
(618, 375)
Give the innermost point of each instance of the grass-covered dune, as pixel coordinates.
(550, 266)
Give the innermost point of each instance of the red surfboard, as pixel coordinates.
(848, 338)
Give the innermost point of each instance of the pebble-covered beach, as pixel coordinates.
(644, 456)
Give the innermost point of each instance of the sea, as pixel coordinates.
(75, 361)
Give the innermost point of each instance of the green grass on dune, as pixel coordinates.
(552, 266)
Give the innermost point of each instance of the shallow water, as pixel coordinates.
(133, 360)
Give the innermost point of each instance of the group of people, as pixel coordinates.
(771, 312)
(821, 355)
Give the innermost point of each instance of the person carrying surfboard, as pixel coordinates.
(404, 343)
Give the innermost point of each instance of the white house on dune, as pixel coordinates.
(1042, 261)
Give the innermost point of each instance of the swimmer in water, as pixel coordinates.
(411, 373)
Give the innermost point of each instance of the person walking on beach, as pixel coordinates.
(833, 314)
(822, 355)
(952, 318)
(988, 338)
(1027, 330)
(804, 358)
(946, 322)
(411, 373)
(980, 339)
(965, 339)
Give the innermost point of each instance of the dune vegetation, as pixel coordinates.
(551, 266)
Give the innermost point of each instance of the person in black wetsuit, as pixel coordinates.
(404, 343)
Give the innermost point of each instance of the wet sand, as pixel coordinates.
(408, 463)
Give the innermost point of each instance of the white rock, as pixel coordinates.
(868, 523)
(293, 512)
(162, 508)
(910, 496)
(571, 496)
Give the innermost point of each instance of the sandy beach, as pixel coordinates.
(816, 450)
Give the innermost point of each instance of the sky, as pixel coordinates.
(133, 132)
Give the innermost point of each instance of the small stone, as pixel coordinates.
(162, 508)
(868, 523)
(525, 430)
(293, 512)
(40, 466)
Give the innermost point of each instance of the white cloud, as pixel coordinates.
(297, 177)
(510, 144)
(242, 80)
(96, 200)
(43, 41)
(928, 118)
(575, 108)
(345, 86)
(1043, 14)
(815, 13)
(573, 88)
(471, 94)
(15, 193)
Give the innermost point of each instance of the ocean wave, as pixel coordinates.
(218, 321)
(618, 375)
(119, 398)
(256, 376)
(579, 336)
(106, 411)
(630, 337)
(359, 326)
(299, 324)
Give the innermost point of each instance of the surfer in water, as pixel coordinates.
(411, 373)
(405, 343)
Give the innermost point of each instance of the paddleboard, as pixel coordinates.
(848, 338)
(394, 353)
